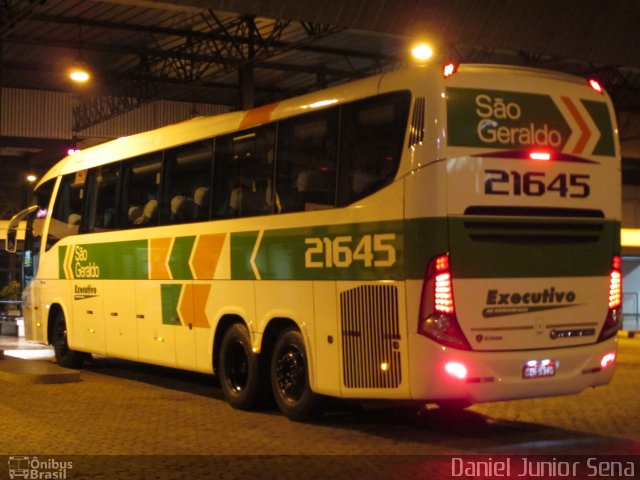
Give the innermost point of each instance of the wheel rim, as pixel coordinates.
(60, 339)
(237, 367)
(291, 374)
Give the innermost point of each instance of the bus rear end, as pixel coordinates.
(522, 298)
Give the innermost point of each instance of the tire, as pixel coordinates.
(289, 374)
(65, 357)
(241, 376)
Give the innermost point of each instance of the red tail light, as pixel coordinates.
(456, 369)
(607, 359)
(437, 309)
(449, 69)
(614, 316)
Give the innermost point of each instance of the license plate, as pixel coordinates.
(539, 369)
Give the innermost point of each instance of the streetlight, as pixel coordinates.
(79, 73)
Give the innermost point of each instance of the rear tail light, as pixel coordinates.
(607, 359)
(456, 369)
(438, 319)
(449, 69)
(614, 315)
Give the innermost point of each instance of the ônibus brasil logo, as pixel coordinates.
(38, 469)
(500, 303)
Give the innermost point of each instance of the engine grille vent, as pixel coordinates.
(370, 337)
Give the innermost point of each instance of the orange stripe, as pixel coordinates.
(193, 305)
(200, 297)
(206, 255)
(586, 133)
(158, 253)
(258, 116)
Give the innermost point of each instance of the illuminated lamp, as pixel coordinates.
(593, 83)
(79, 73)
(540, 156)
(449, 69)
(422, 52)
(456, 369)
(607, 359)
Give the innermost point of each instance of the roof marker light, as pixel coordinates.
(540, 156)
(593, 83)
(449, 69)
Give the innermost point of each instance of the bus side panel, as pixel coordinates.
(327, 342)
(121, 323)
(288, 300)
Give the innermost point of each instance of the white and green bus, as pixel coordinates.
(414, 236)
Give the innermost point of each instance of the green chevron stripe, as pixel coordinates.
(179, 258)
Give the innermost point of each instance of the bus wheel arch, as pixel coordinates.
(57, 337)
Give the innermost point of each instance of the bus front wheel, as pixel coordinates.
(240, 370)
(65, 357)
(290, 378)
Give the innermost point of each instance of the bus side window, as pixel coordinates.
(306, 165)
(243, 175)
(372, 135)
(104, 190)
(68, 208)
(141, 191)
(187, 182)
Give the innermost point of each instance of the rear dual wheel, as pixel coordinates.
(241, 371)
(245, 378)
(290, 378)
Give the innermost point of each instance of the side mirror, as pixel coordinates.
(11, 236)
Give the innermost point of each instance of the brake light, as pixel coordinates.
(615, 285)
(614, 316)
(607, 359)
(593, 83)
(449, 69)
(540, 156)
(438, 319)
(455, 369)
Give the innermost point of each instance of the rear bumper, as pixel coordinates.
(496, 376)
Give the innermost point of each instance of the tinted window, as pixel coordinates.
(141, 191)
(188, 178)
(372, 134)
(104, 197)
(307, 158)
(243, 176)
(66, 217)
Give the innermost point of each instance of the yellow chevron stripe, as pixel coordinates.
(159, 250)
(205, 255)
(193, 303)
(68, 258)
